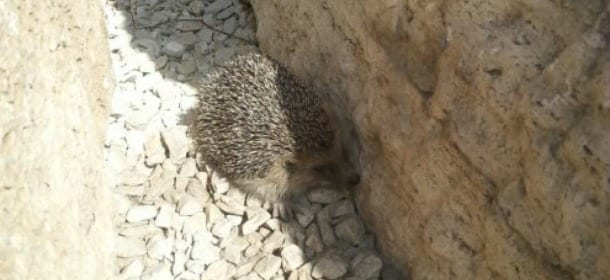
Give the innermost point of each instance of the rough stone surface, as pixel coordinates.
(490, 158)
(54, 82)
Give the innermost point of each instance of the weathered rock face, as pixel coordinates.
(485, 126)
(55, 220)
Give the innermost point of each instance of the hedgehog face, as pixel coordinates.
(319, 172)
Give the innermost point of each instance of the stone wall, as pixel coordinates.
(55, 220)
(485, 126)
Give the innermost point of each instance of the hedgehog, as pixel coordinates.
(267, 134)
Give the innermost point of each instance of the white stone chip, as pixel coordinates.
(252, 250)
(366, 265)
(135, 141)
(188, 206)
(329, 267)
(351, 229)
(326, 232)
(188, 168)
(160, 248)
(194, 223)
(138, 119)
(247, 266)
(273, 224)
(179, 263)
(141, 213)
(230, 205)
(205, 252)
(292, 257)
(341, 208)
(254, 222)
(181, 183)
(232, 254)
(174, 48)
(187, 275)
(213, 214)
(273, 241)
(222, 227)
(133, 269)
(155, 153)
(197, 190)
(134, 177)
(181, 246)
(268, 266)
(219, 270)
(217, 6)
(250, 276)
(313, 240)
(158, 272)
(195, 266)
(303, 273)
(225, 14)
(230, 25)
(176, 142)
(164, 217)
(220, 185)
(140, 231)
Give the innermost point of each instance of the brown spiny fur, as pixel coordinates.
(266, 133)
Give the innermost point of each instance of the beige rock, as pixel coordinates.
(54, 83)
(484, 126)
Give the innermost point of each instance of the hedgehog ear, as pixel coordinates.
(290, 166)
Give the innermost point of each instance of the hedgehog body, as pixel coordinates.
(267, 133)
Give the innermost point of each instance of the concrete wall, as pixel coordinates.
(485, 126)
(55, 211)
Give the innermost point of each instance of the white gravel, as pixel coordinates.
(178, 219)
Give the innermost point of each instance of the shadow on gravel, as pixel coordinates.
(164, 49)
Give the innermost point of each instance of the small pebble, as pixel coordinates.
(158, 272)
(141, 213)
(130, 247)
(292, 257)
(219, 185)
(133, 269)
(350, 229)
(255, 221)
(188, 206)
(219, 270)
(176, 142)
(160, 248)
(205, 252)
(164, 216)
(217, 6)
(329, 267)
(174, 48)
(367, 266)
(268, 266)
(178, 263)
